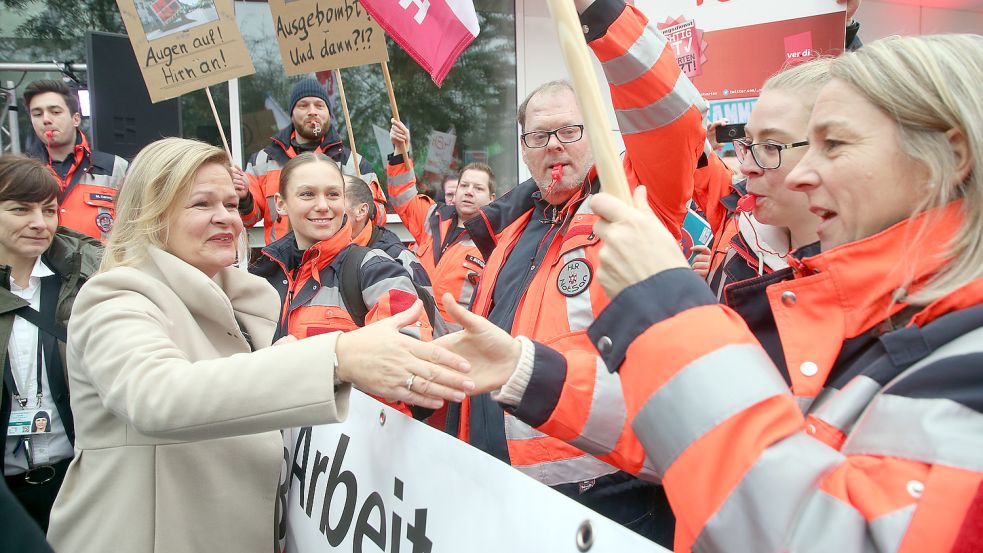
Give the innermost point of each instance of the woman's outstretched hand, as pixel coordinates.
(377, 359)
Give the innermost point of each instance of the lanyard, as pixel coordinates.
(50, 285)
(11, 381)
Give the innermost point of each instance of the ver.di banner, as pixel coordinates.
(729, 48)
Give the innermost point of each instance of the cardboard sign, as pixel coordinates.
(381, 481)
(184, 45)
(440, 153)
(314, 35)
(729, 48)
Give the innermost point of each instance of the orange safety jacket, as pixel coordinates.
(559, 297)
(263, 172)
(310, 291)
(888, 457)
(453, 262)
(87, 202)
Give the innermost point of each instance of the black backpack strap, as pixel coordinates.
(429, 304)
(46, 318)
(350, 284)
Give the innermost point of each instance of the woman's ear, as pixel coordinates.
(962, 154)
(281, 206)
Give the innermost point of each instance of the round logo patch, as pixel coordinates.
(574, 277)
(105, 222)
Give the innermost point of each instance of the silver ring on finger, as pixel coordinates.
(409, 382)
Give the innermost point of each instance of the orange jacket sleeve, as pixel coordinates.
(659, 111)
(413, 208)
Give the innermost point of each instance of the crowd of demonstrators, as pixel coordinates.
(542, 253)
(88, 180)
(175, 393)
(311, 129)
(42, 267)
(887, 318)
(443, 244)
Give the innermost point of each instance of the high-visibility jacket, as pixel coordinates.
(888, 457)
(660, 115)
(381, 238)
(87, 201)
(307, 282)
(263, 172)
(451, 259)
(310, 291)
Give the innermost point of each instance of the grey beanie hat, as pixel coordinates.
(306, 88)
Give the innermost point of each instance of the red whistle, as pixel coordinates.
(557, 172)
(49, 133)
(746, 203)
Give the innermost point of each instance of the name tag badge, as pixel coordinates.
(25, 422)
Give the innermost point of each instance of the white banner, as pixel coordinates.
(440, 152)
(384, 482)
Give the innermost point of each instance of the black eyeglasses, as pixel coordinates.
(566, 135)
(767, 155)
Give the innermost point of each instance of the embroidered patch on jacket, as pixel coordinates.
(574, 277)
(475, 260)
(96, 197)
(104, 221)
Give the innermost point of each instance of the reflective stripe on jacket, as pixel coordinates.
(888, 458)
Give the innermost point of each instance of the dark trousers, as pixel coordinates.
(37, 499)
(642, 509)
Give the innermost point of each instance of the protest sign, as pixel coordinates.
(182, 47)
(314, 35)
(382, 481)
(730, 48)
(440, 152)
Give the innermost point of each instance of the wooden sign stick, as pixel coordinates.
(392, 100)
(575, 52)
(348, 123)
(221, 129)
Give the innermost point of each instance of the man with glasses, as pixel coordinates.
(542, 254)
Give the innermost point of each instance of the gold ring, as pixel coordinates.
(409, 382)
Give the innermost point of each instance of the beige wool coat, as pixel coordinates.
(177, 444)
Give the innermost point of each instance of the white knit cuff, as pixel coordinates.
(513, 390)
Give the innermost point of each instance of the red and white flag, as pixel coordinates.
(434, 32)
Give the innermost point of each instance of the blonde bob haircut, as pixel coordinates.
(930, 85)
(157, 182)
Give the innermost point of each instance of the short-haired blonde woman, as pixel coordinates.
(889, 316)
(177, 402)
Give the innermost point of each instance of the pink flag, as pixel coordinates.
(434, 32)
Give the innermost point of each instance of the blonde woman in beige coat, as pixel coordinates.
(177, 403)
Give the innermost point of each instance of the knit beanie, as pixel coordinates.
(307, 88)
